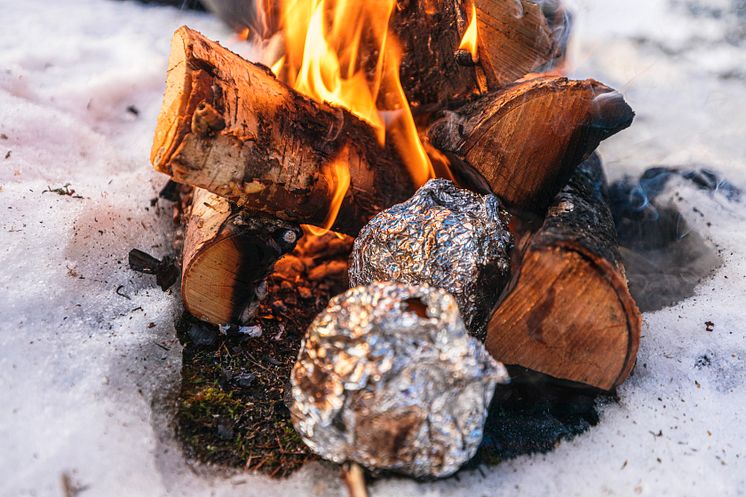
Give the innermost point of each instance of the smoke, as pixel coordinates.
(560, 21)
(664, 257)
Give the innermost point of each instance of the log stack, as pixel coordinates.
(254, 148)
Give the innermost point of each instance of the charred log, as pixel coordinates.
(570, 314)
(515, 38)
(231, 127)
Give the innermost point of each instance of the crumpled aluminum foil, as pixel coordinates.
(389, 377)
(443, 236)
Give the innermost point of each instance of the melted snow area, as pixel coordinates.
(88, 354)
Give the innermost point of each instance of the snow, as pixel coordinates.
(88, 374)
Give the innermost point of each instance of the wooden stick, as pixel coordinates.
(524, 141)
(229, 126)
(227, 255)
(570, 314)
(354, 478)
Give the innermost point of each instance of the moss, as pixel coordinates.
(231, 407)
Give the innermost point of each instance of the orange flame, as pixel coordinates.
(338, 179)
(341, 52)
(469, 41)
(244, 34)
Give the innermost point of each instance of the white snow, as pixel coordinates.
(85, 378)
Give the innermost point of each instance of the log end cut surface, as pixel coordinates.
(527, 139)
(213, 287)
(541, 327)
(173, 120)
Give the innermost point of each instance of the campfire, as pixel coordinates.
(437, 147)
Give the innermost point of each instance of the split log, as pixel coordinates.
(227, 256)
(429, 32)
(231, 127)
(523, 142)
(515, 38)
(569, 313)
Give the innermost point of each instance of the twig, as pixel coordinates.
(118, 291)
(354, 478)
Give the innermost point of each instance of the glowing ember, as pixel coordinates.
(244, 34)
(469, 41)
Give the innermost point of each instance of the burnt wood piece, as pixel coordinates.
(227, 256)
(165, 271)
(524, 141)
(570, 314)
(429, 32)
(514, 38)
(231, 127)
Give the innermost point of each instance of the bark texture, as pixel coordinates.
(228, 126)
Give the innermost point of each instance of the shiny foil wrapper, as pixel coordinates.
(445, 237)
(388, 377)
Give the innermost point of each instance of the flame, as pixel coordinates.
(341, 52)
(244, 34)
(469, 41)
(338, 178)
(277, 66)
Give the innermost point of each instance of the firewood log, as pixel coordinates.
(229, 126)
(569, 313)
(523, 142)
(227, 255)
(514, 38)
(429, 32)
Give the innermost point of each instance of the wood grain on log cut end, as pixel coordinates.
(540, 325)
(229, 126)
(525, 141)
(225, 260)
(569, 313)
(514, 39)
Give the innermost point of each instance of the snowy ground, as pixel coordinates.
(82, 367)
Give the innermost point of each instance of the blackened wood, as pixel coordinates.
(569, 313)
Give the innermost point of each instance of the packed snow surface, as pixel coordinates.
(88, 354)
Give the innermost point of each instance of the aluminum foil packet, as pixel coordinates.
(388, 377)
(443, 236)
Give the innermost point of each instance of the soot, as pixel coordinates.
(664, 257)
(534, 413)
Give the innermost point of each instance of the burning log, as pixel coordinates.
(523, 142)
(229, 126)
(570, 314)
(227, 256)
(514, 38)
